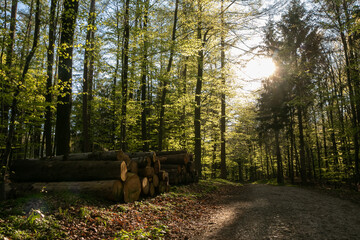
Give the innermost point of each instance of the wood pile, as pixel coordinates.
(114, 175)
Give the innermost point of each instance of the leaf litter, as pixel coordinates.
(179, 214)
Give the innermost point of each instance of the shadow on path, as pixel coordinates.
(273, 212)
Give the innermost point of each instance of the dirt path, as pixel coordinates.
(270, 212)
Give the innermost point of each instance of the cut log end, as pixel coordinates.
(145, 186)
(132, 188)
(123, 171)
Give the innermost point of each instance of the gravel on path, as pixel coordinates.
(278, 212)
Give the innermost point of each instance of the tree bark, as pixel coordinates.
(68, 20)
(89, 156)
(180, 159)
(349, 74)
(223, 103)
(280, 174)
(144, 74)
(301, 145)
(124, 76)
(5, 105)
(198, 90)
(58, 171)
(165, 80)
(114, 95)
(87, 78)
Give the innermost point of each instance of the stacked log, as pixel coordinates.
(179, 165)
(114, 175)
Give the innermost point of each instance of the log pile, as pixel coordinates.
(179, 165)
(114, 175)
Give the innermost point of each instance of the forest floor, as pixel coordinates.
(207, 210)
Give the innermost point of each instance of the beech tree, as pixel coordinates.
(68, 20)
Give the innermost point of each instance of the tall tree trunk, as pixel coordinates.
(14, 106)
(184, 88)
(3, 40)
(280, 174)
(62, 133)
(114, 95)
(87, 78)
(167, 76)
(292, 142)
(26, 43)
(355, 78)
(49, 80)
(302, 145)
(267, 161)
(199, 80)
(318, 149)
(223, 103)
(5, 104)
(124, 76)
(144, 74)
(213, 163)
(354, 119)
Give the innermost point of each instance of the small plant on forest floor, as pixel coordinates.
(150, 233)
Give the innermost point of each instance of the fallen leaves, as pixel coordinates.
(174, 215)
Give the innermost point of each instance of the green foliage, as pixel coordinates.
(35, 226)
(151, 233)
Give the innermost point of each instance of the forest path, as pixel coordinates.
(276, 212)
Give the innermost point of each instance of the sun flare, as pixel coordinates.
(259, 68)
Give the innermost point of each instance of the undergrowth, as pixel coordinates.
(71, 216)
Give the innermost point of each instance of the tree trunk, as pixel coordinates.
(124, 76)
(292, 140)
(87, 78)
(184, 122)
(280, 175)
(68, 20)
(144, 74)
(350, 83)
(213, 164)
(114, 96)
(302, 145)
(165, 80)
(223, 103)
(355, 77)
(5, 104)
(49, 80)
(14, 107)
(198, 90)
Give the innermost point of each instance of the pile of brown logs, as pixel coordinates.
(114, 175)
(179, 165)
